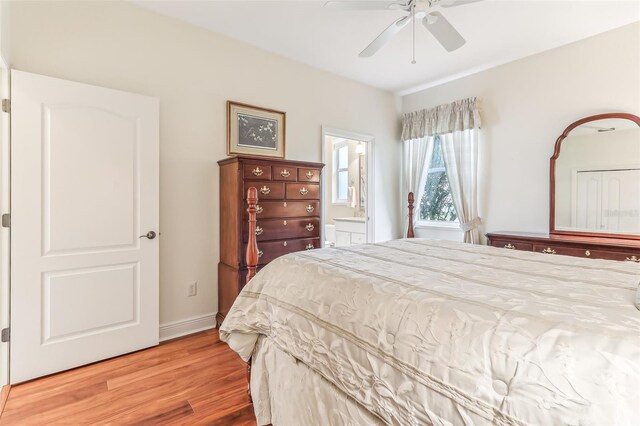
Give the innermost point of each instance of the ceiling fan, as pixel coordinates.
(433, 21)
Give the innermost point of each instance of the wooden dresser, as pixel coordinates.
(589, 247)
(288, 216)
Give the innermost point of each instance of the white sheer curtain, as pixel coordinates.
(458, 125)
(460, 152)
(417, 154)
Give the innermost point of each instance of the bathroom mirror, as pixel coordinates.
(595, 178)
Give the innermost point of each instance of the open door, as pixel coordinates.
(347, 217)
(84, 222)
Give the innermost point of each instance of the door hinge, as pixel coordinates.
(6, 220)
(6, 334)
(6, 105)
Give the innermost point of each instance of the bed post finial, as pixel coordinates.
(410, 230)
(252, 245)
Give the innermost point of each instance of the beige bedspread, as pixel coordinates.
(434, 332)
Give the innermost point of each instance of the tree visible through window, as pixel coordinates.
(436, 203)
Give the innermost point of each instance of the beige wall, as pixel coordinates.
(194, 72)
(5, 48)
(525, 106)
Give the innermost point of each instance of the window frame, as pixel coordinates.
(336, 170)
(433, 223)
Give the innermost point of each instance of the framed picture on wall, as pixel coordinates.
(253, 130)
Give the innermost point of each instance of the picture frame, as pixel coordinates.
(255, 131)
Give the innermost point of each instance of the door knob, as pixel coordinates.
(150, 235)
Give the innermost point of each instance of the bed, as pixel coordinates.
(413, 332)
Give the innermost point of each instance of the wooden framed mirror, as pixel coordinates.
(595, 178)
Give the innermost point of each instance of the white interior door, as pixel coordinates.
(588, 206)
(84, 189)
(608, 201)
(620, 201)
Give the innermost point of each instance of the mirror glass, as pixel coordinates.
(597, 179)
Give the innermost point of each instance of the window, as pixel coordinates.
(340, 172)
(436, 204)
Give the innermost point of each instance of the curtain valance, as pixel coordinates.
(448, 118)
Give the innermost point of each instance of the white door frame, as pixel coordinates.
(369, 203)
(5, 193)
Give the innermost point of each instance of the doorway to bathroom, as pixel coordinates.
(347, 217)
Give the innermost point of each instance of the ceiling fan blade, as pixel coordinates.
(443, 31)
(365, 5)
(454, 3)
(385, 36)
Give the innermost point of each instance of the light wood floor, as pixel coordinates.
(189, 381)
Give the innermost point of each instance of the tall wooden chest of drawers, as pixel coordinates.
(288, 216)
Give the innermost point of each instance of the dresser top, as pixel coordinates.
(617, 242)
(268, 161)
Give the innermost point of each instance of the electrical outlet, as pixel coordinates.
(192, 290)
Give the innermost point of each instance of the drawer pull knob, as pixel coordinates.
(304, 191)
(285, 173)
(633, 259)
(260, 253)
(284, 204)
(309, 174)
(259, 230)
(309, 247)
(265, 190)
(310, 227)
(549, 250)
(587, 253)
(309, 208)
(284, 222)
(510, 246)
(284, 244)
(257, 171)
(259, 209)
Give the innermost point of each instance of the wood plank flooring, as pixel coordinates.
(4, 394)
(195, 380)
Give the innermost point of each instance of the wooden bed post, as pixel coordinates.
(410, 230)
(251, 257)
(252, 245)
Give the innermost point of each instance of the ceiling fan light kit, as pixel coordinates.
(441, 29)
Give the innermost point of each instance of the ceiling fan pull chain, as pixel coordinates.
(413, 18)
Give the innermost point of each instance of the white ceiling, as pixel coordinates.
(497, 31)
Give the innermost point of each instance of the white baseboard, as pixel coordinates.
(191, 325)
